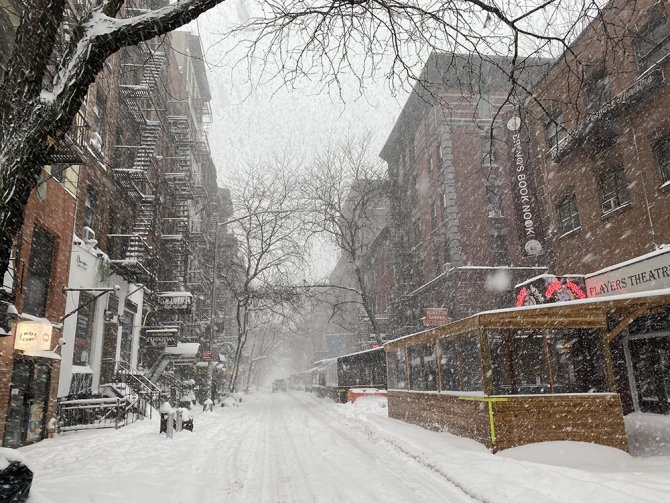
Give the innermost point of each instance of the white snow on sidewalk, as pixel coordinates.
(292, 447)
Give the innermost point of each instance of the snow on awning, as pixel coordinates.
(183, 349)
(42, 354)
(30, 317)
(81, 369)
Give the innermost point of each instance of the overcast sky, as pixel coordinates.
(252, 122)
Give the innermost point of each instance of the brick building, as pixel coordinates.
(602, 159)
(118, 233)
(453, 219)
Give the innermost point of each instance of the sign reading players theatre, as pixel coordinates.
(649, 272)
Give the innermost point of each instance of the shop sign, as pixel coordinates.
(177, 301)
(33, 336)
(435, 317)
(525, 204)
(160, 341)
(547, 289)
(207, 356)
(651, 273)
(161, 338)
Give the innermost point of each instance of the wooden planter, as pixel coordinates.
(502, 422)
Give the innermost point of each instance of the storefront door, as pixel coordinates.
(649, 359)
(27, 403)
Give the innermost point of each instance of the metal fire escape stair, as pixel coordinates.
(132, 383)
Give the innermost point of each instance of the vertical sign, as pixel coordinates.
(527, 217)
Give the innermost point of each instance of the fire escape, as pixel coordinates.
(179, 179)
(135, 256)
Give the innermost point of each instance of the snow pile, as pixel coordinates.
(294, 447)
(648, 434)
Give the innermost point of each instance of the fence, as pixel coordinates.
(95, 413)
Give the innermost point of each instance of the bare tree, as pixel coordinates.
(268, 250)
(267, 340)
(43, 86)
(346, 193)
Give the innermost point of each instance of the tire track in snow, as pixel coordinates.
(419, 482)
(374, 437)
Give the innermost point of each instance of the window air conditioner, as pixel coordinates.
(89, 237)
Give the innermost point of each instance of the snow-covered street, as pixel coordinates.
(292, 447)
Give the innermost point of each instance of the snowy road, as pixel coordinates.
(275, 448)
(297, 450)
(294, 448)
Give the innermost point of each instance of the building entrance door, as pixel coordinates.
(28, 402)
(649, 359)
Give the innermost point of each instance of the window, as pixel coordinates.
(662, 151)
(90, 206)
(437, 257)
(449, 366)
(417, 232)
(493, 199)
(568, 215)
(613, 188)
(500, 249)
(488, 150)
(460, 364)
(397, 369)
(546, 361)
(84, 329)
(652, 43)
(39, 272)
(597, 91)
(423, 372)
(554, 131)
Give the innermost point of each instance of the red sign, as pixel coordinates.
(436, 317)
(207, 356)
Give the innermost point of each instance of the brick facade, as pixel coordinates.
(623, 137)
(452, 200)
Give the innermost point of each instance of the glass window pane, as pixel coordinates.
(470, 364)
(449, 366)
(397, 369)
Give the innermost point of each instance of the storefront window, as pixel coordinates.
(126, 335)
(423, 372)
(460, 364)
(449, 366)
(546, 361)
(397, 369)
(84, 329)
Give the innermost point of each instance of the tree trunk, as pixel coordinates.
(365, 300)
(22, 155)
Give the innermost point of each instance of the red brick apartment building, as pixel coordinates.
(601, 156)
(128, 205)
(34, 286)
(455, 229)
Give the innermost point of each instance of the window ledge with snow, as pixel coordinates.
(616, 210)
(570, 232)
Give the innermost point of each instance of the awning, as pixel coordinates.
(42, 354)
